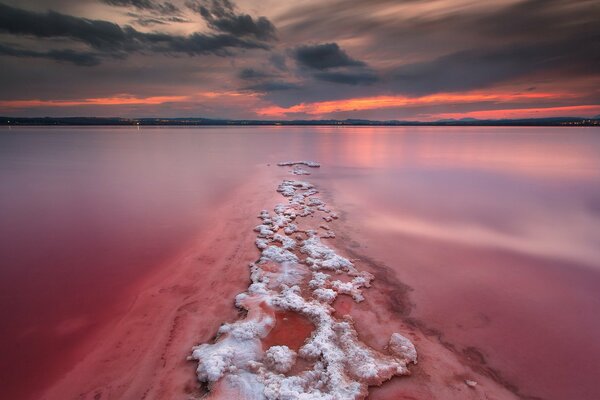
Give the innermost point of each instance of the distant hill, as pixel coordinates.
(95, 121)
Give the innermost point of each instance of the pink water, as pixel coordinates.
(495, 229)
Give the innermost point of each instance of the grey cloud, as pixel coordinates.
(328, 62)
(114, 40)
(347, 78)
(149, 21)
(221, 16)
(272, 86)
(146, 5)
(251, 73)
(479, 68)
(461, 47)
(152, 19)
(86, 59)
(96, 33)
(278, 61)
(324, 56)
(198, 43)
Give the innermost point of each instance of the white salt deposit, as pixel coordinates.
(290, 277)
(298, 170)
(262, 243)
(286, 242)
(311, 164)
(280, 358)
(278, 254)
(403, 347)
(326, 295)
(263, 230)
(290, 228)
(323, 257)
(470, 383)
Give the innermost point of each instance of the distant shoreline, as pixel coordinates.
(111, 121)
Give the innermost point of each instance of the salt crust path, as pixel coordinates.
(298, 274)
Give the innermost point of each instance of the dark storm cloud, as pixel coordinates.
(347, 78)
(278, 61)
(461, 47)
(251, 73)
(149, 12)
(112, 39)
(221, 15)
(78, 58)
(328, 62)
(265, 80)
(195, 44)
(96, 33)
(324, 56)
(272, 86)
(475, 69)
(149, 20)
(146, 5)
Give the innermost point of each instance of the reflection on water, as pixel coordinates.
(496, 229)
(498, 232)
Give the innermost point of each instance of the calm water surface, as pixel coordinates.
(496, 229)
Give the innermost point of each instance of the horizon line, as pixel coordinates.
(203, 121)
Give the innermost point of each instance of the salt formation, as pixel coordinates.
(298, 273)
(311, 164)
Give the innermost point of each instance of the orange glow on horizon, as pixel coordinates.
(381, 102)
(323, 108)
(117, 100)
(100, 101)
(563, 111)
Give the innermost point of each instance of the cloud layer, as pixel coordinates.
(275, 55)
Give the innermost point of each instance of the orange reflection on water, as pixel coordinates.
(506, 150)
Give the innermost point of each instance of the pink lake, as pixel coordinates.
(495, 230)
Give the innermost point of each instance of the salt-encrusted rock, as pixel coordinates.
(402, 347)
(470, 383)
(290, 228)
(286, 242)
(325, 295)
(261, 243)
(341, 366)
(353, 288)
(287, 274)
(288, 187)
(319, 279)
(323, 256)
(264, 214)
(314, 201)
(280, 358)
(306, 211)
(280, 208)
(311, 164)
(298, 170)
(263, 230)
(278, 254)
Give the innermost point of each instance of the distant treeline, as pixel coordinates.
(92, 121)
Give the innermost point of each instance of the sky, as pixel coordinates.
(303, 59)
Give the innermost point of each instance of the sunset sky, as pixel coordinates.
(303, 59)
